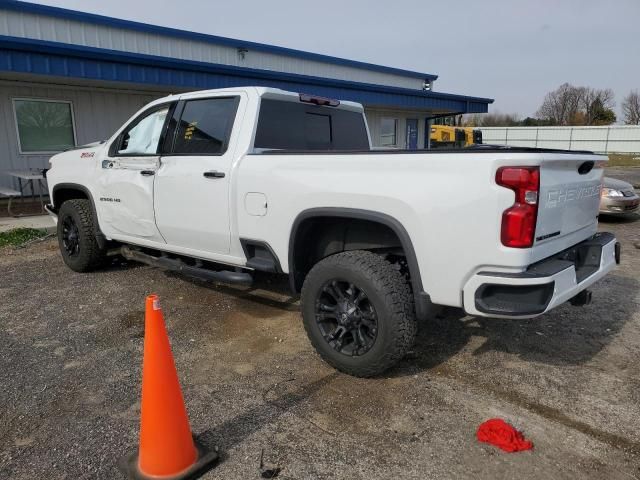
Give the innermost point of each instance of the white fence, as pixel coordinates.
(611, 139)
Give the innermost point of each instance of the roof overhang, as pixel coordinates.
(28, 56)
(91, 18)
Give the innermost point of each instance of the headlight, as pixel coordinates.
(610, 192)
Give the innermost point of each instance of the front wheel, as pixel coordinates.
(76, 236)
(358, 312)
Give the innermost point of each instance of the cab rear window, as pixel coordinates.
(284, 125)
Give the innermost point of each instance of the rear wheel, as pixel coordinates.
(76, 236)
(358, 312)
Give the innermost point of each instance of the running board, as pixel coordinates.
(177, 265)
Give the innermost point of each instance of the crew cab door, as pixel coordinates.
(126, 177)
(191, 195)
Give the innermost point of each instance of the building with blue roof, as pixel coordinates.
(69, 78)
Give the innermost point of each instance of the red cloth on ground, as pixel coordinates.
(499, 433)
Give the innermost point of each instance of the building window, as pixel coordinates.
(388, 129)
(44, 126)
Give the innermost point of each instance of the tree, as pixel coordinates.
(571, 105)
(631, 108)
(503, 120)
(599, 114)
(534, 122)
(598, 106)
(492, 120)
(560, 106)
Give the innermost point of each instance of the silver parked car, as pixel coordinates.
(618, 197)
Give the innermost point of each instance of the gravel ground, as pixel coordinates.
(71, 351)
(628, 174)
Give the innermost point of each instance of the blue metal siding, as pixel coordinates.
(51, 58)
(212, 39)
(33, 26)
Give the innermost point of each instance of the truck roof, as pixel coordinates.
(263, 92)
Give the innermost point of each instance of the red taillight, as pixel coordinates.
(519, 221)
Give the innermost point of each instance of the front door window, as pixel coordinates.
(143, 137)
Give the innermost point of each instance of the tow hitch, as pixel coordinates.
(581, 299)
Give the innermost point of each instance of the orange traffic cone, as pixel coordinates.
(167, 447)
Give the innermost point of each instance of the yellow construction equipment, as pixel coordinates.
(446, 133)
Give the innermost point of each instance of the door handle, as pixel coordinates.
(213, 174)
(147, 173)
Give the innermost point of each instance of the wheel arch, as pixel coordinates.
(62, 192)
(67, 191)
(422, 300)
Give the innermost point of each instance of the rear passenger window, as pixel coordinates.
(285, 125)
(205, 126)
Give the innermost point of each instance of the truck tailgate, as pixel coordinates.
(569, 199)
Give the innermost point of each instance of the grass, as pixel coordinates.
(624, 160)
(19, 236)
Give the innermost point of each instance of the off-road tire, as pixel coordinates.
(89, 255)
(389, 293)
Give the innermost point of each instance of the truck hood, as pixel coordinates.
(87, 145)
(82, 153)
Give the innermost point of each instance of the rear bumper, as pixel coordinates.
(543, 285)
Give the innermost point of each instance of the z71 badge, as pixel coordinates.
(87, 154)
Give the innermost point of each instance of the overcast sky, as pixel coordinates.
(511, 50)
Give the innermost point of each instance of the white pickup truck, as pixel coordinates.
(218, 184)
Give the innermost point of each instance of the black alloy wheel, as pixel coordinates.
(346, 318)
(70, 236)
(77, 236)
(357, 309)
